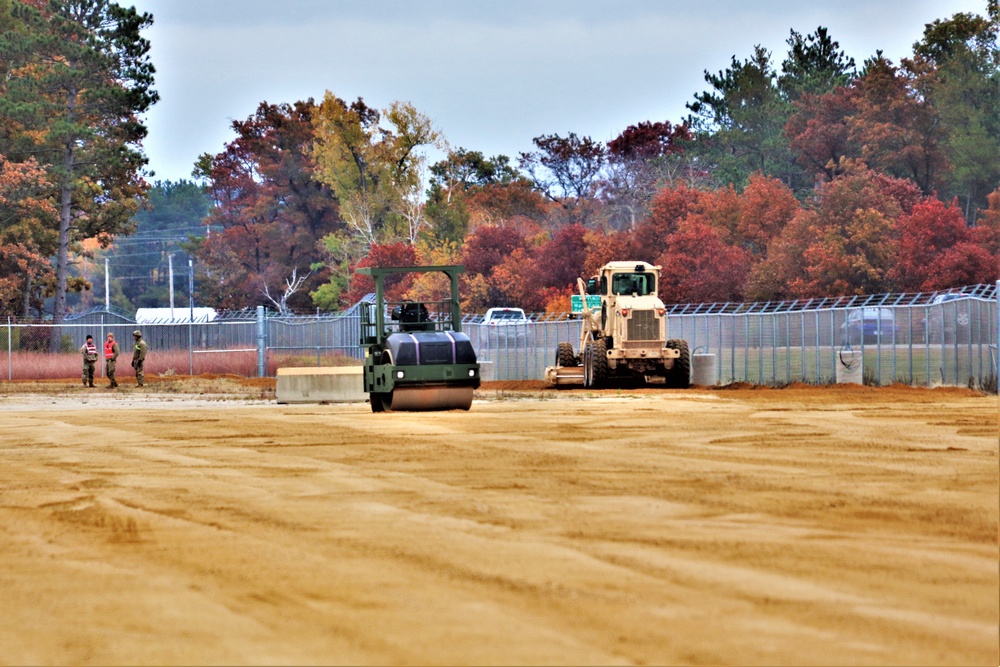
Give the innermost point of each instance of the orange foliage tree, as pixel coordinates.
(844, 243)
(27, 237)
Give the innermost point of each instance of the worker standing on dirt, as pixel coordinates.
(111, 359)
(139, 356)
(89, 352)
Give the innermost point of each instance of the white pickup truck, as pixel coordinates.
(507, 324)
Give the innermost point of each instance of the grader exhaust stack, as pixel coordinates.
(417, 356)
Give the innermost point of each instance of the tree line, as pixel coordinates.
(812, 176)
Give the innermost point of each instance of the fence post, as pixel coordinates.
(10, 346)
(190, 315)
(996, 341)
(261, 340)
(101, 361)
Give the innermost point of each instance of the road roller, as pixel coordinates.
(417, 357)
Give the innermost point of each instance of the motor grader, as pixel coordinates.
(623, 333)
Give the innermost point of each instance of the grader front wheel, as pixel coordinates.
(679, 377)
(595, 363)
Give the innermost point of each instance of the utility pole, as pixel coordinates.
(170, 271)
(107, 287)
(191, 321)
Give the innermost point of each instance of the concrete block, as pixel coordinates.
(339, 384)
(850, 367)
(703, 370)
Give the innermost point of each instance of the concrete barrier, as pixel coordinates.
(703, 370)
(850, 367)
(340, 384)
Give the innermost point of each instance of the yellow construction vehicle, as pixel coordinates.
(623, 333)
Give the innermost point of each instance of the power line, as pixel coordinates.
(158, 239)
(137, 254)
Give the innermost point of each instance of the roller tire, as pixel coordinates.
(679, 377)
(376, 400)
(565, 355)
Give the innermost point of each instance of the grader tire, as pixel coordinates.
(565, 356)
(600, 361)
(679, 377)
(595, 363)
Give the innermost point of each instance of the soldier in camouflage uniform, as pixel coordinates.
(89, 352)
(139, 356)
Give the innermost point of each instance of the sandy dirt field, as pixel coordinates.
(793, 526)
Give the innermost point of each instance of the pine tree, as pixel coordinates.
(79, 79)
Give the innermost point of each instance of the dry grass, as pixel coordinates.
(46, 366)
(209, 384)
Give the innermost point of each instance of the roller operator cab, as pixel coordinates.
(417, 357)
(623, 332)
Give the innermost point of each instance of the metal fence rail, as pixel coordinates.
(924, 339)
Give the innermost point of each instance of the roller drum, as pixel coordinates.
(428, 398)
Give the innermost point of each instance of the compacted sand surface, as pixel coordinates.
(795, 526)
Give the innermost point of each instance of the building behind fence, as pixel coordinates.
(927, 339)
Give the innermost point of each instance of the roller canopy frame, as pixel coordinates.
(380, 274)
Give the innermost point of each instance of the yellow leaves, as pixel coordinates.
(372, 160)
(434, 286)
(475, 293)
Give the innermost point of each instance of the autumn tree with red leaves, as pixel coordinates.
(896, 125)
(819, 131)
(843, 243)
(636, 163)
(564, 258)
(751, 219)
(611, 247)
(937, 250)
(383, 255)
(488, 246)
(698, 265)
(667, 209)
(925, 235)
(271, 209)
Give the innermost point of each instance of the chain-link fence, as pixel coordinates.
(926, 339)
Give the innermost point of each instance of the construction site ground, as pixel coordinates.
(202, 523)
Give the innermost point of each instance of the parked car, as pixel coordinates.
(952, 321)
(507, 324)
(870, 325)
(505, 317)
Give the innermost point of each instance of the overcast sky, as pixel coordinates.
(491, 75)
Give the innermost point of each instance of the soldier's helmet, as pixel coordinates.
(137, 333)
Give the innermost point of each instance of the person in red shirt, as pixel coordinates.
(111, 359)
